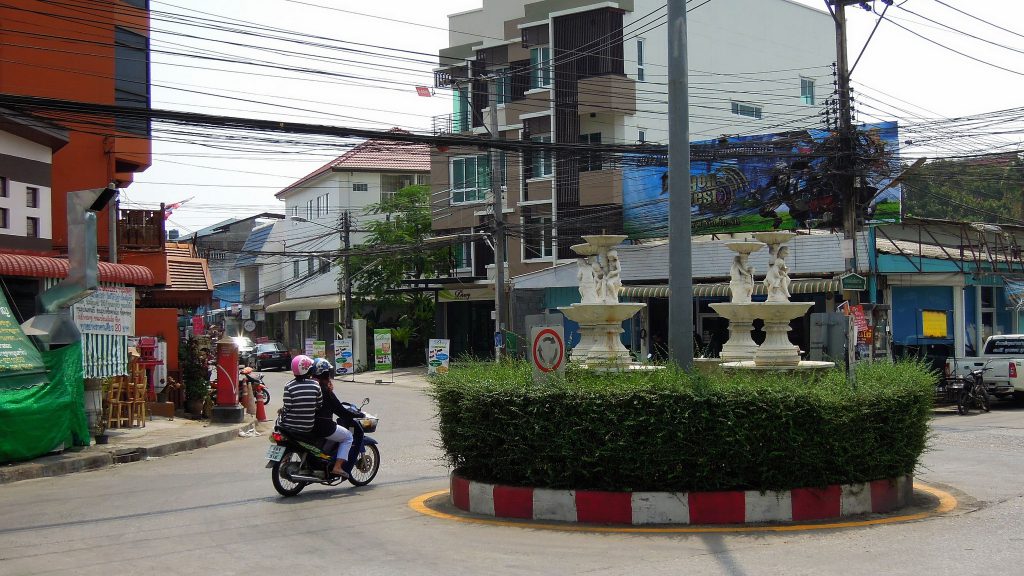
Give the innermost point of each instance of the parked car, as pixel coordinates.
(272, 355)
(245, 350)
(1004, 354)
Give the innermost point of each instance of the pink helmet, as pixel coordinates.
(301, 365)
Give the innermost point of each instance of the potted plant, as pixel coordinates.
(195, 376)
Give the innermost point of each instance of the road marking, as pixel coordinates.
(947, 503)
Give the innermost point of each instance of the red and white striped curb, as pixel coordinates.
(731, 507)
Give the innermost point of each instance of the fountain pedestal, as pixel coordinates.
(777, 350)
(600, 328)
(741, 315)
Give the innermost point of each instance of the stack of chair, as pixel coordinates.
(118, 407)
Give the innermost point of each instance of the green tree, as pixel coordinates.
(977, 190)
(394, 252)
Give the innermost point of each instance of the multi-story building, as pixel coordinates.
(579, 72)
(300, 293)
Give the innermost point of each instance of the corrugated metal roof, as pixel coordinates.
(253, 244)
(46, 267)
(721, 290)
(375, 155)
(187, 274)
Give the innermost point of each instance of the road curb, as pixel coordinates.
(694, 508)
(71, 462)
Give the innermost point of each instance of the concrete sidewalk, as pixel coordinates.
(160, 437)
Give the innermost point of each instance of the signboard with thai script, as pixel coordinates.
(319, 348)
(438, 356)
(343, 363)
(17, 353)
(382, 359)
(109, 310)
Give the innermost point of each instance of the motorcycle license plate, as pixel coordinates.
(275, 453)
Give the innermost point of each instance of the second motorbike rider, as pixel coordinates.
(324, 425)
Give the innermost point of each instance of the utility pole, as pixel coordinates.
(680, 272)
(499, 228)
(346, 275)
(845, 179)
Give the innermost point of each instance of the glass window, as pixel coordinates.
(540, 63)
(310, 265)
(460, 110)
(31, 197)
(462, 256)
(471, 178)
(360, 187)
(502, 85)
(807, 91)
(537, 237)
(131, 75)
(325, 266)
(590, 160)
(4, 223)
(987, 297)
(295, 269)
(3, 187)
(392, 183)
(309, 210)
(32, 227)
(542, 164)
(746, 110)
(640, 59)
(641, 135)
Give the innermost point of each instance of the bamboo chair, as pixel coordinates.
(118, 408)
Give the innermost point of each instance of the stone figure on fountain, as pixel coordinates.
(741, 278)
(612, 277)
(776, 281)
(585, 277)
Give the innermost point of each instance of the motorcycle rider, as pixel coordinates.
(301, 398)
(324, 425)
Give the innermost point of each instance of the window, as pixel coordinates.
(4, 223)
(460, 110)
(540, 63)
(590, 160)
(640, 59)
(641, 135)
(542, 165)
(392, 183)
(502, 85)
(295, 210)
(3, 187)
(32, 227)
(323, 207)
(807, 91)
(325, 266)
(31, 197)
(462, 254)
(537, 238)
(360, 187)
(471, 179)
(295, 269)
(746, 110)
(309, 210)
(310, 265)
(131, 78)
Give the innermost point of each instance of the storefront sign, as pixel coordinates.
(466, 294)
(17, 354)
(109, 310)
(853, 281)
(319, 348)
(343, 363)
(438, 356)
(382, 349)
(308, 347)
(547, 351)
(198, 325)
(302, 314)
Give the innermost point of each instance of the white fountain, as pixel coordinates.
(600, 314)
(777, 352)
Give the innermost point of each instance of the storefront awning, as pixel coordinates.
(47, 267)
(800, 286)
(327, 302)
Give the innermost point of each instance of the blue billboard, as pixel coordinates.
(783, 181)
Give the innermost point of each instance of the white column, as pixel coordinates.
(959, 322)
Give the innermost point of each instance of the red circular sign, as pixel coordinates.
(545, 364)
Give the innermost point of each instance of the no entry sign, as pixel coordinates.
(547, 351)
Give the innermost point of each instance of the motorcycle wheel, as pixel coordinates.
(281, 478)
(264, 396)
(983, 399)
(366, 466)
(963, 403)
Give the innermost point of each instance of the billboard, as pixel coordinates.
(782, 181)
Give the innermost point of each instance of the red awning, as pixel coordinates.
(46, 267)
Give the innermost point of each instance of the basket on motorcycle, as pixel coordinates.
(368, 423)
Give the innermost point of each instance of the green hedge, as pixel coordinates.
(673, 431)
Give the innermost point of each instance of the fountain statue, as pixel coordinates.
(600, 314)
(740, 311)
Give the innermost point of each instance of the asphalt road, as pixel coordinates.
(214, 511)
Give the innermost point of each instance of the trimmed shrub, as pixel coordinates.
(670, 430)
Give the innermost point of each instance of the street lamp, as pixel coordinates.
(345, 279)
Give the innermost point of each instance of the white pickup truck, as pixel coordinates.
(1005, 356)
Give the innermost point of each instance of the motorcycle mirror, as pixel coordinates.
(364, 403)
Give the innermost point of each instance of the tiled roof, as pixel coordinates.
(179, 249)
(46, 267)
(375, 155)
(187, 274)
(253, 244)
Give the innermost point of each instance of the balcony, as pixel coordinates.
(449, 124)
(610, 93)
(140, 230)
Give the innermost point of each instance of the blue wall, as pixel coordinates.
(907, 304)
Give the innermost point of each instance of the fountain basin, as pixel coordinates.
(600, 328)
(744, 246)
(774, 238)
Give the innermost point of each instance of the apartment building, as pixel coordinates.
(578, 72)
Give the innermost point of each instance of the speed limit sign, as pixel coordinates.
(547, 351)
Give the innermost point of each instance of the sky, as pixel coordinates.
(347, 72)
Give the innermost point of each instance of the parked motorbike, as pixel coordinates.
(255, 381)
(973, 392)
(297, 460)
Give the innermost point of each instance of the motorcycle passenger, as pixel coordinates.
(301, 399)
(324, 425)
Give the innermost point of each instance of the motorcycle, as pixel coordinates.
(297, 460)
(973, 391)
(255, 381)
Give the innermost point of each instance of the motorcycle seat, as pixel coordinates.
(303, 436)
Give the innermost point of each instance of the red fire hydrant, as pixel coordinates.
(227, 409)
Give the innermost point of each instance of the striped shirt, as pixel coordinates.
(301, 399)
